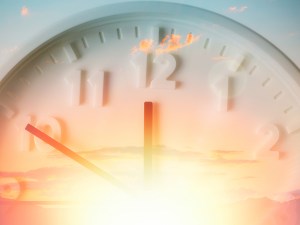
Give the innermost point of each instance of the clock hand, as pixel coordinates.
(148, 151)
(71, 154)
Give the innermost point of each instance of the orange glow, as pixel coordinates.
(173, 42)
(24, 11)
(169, 43)
(144, 46)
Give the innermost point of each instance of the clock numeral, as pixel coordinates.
(11, 188)
(166, 67)
(226, 81)
(96, 82)
(75, 81)
(53, 129)
(140, 61)
(271, 136)
(221, 87)
(49, 125)
(79, 83)
(220, 83)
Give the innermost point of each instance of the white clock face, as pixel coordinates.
(225, 110)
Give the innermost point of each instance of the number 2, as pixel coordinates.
(271, 136)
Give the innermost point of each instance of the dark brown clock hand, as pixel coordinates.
(148, 150)
(71, 154)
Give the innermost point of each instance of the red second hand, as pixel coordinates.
(148, 121)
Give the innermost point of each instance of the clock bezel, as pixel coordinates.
(268, 50)
(112, 11)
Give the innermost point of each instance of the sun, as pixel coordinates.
(146, 208)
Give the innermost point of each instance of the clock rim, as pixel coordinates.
(129, 8)
(110, 10)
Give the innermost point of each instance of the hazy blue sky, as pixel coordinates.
(276, 20)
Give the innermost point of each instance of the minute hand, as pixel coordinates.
(71, 154)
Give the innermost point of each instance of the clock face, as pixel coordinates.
(186, 105)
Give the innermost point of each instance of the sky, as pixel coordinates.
(22, 21)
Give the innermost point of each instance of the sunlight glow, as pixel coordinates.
(24, 11)
(147, 208)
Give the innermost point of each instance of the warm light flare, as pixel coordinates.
(169, 43)
(24, 11)
(147, 208)
(164, 207)
(144, 46)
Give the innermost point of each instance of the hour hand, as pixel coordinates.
(72, 155)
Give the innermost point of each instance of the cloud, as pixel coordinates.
(24, 11)
(286, 197)
(236, 9)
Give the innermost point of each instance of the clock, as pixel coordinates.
(149, 113)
